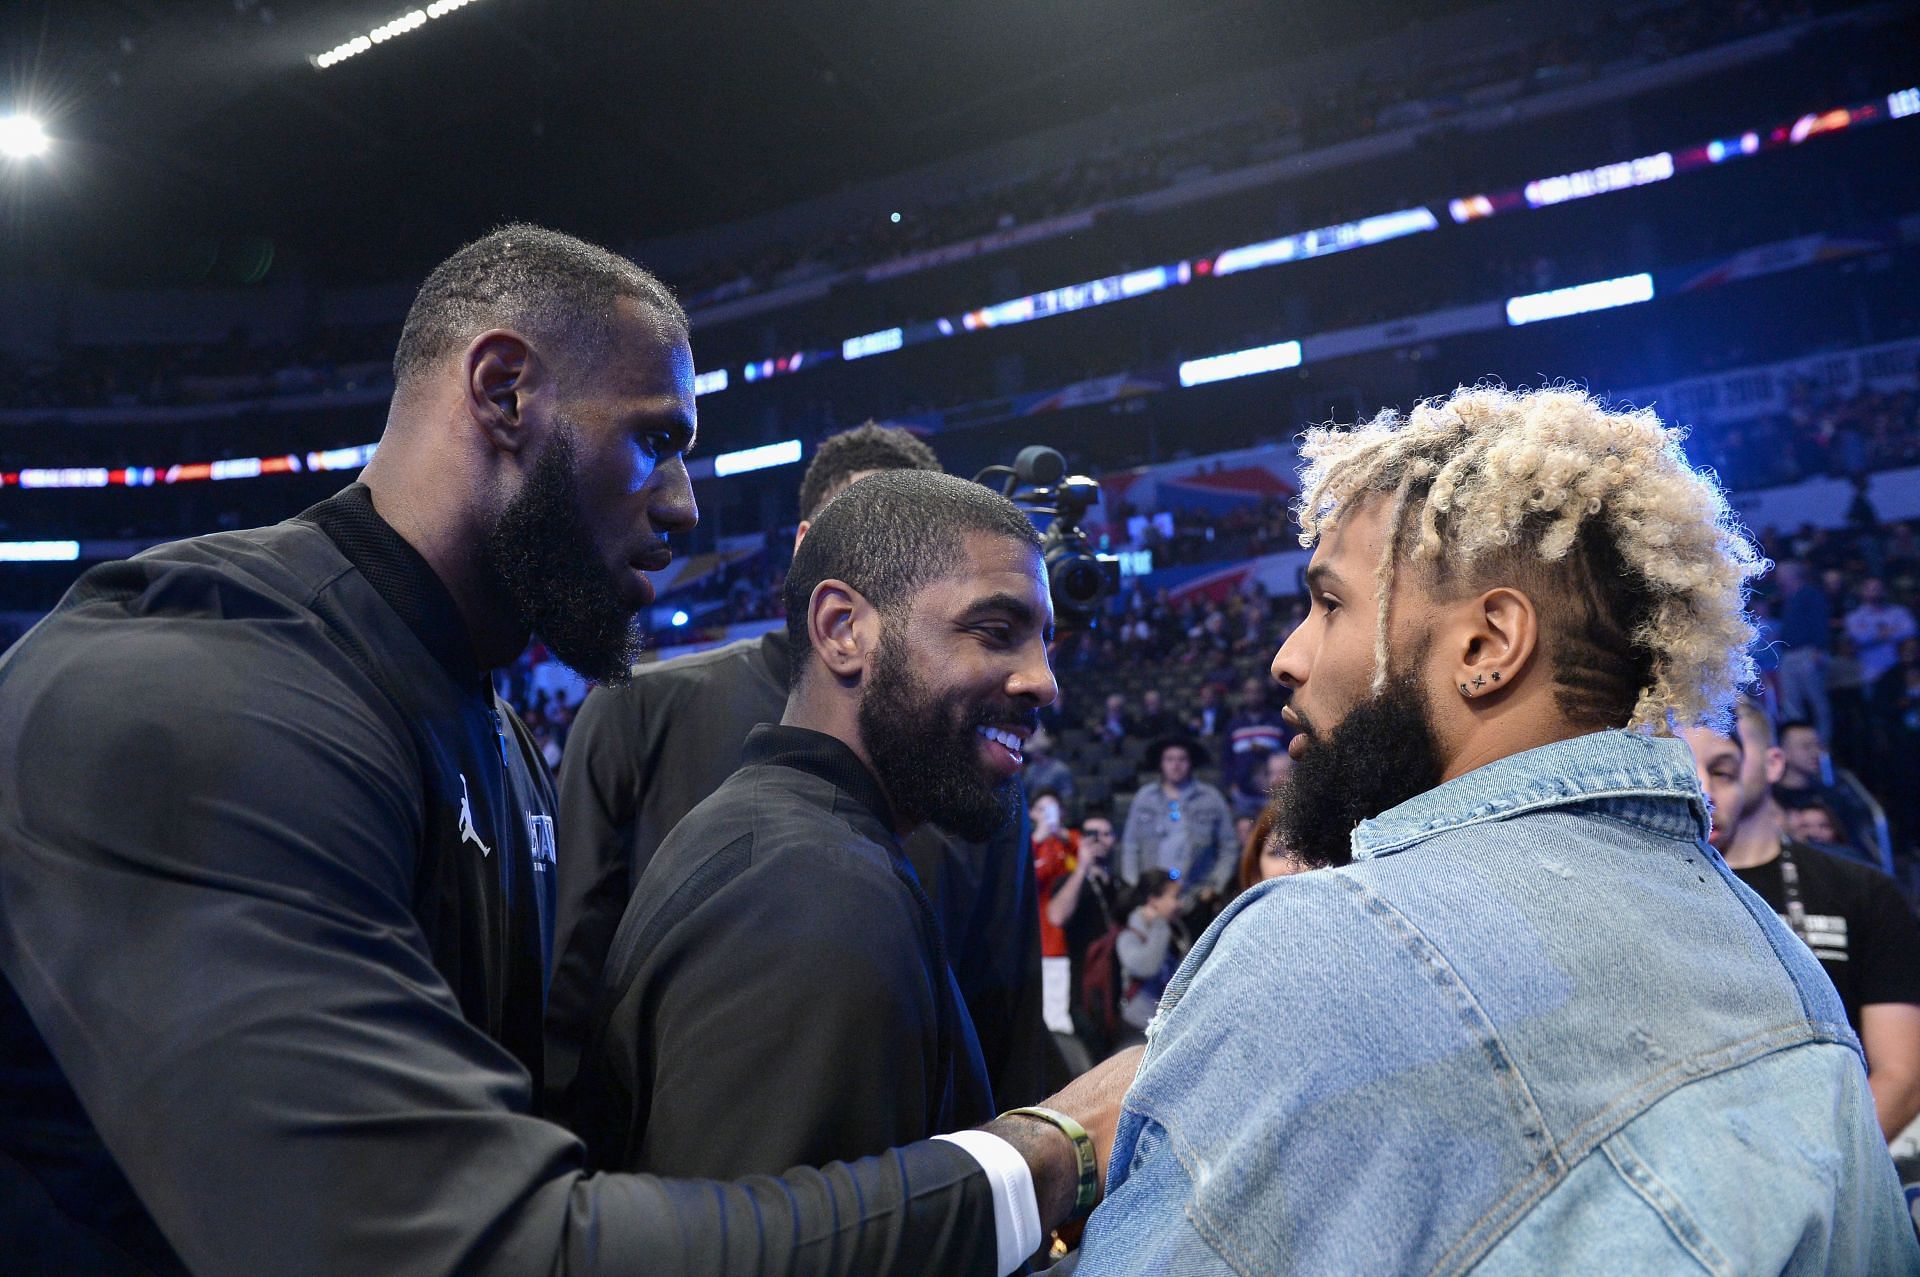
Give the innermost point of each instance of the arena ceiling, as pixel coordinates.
(177, 121)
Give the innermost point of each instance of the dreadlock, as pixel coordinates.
(1638, 565)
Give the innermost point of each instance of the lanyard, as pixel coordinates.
(1790, 892)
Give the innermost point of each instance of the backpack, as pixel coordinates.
(1100, 983)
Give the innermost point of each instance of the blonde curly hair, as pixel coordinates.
(1638, 568)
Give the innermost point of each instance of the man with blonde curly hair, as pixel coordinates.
(1524, 1020)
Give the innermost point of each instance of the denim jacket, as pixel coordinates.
(1195, 839)
(1536, 1026)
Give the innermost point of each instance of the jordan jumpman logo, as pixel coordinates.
(466, 820)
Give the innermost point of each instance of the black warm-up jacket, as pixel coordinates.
(275, 881)
(779, 991)
(643, 755)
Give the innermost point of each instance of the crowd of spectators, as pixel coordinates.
(1187, 536)
(1842, 664)
(125, 376)
(1816, 434)
(1379, 100)
(545, 697)
(332, 359)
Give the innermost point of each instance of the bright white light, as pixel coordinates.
(39, 551)
(680, 618)
(1904, 103)
(872, 344)
(1325, 239)
(237, 468)
(709, 383)
(1059, 301)
(341, 458)
(70, 477)
(1240, 363)
(22, 137)
(1598, 181)
(412, 20)
(895, 218)
(772, 454)
(1578, 300)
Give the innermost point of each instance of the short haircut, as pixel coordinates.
(889, 536)
(1799, 724)
(1752, 713)
(865, 447)
(551, 287)
(1840, 830)
(1639, 568)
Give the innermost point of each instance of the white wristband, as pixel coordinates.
(1016, 1212)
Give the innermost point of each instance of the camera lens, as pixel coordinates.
(1077, 579)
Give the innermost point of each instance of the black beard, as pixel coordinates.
(926, 753)
(542, 556)
(1377, 757)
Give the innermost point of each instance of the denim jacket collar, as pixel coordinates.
(1646, 780)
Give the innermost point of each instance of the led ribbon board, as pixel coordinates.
(764, 457)
(39, 551)
(1327, 239)
(1603, 294)
(1541, 193)
(1240, 363)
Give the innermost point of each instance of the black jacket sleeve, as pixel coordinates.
(599, 791)
(204, 909)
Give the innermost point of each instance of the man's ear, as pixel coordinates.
(502, 373)
(844, 630)
(1495, 641)
(800, 532)
(1776, 764)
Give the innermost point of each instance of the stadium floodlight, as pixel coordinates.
(761, 458)
(22, 137)
(680, 617)
(412, 20)
(1240, 363)
(1601, 295)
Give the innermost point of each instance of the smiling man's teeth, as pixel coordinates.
(1007, 739)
